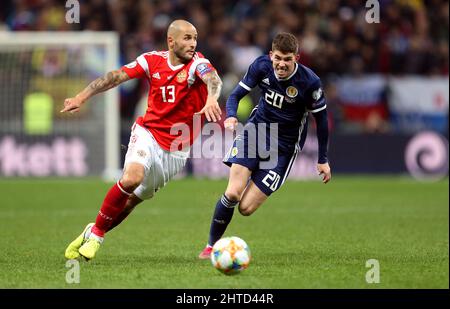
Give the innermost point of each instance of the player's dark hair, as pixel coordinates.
(285, 43)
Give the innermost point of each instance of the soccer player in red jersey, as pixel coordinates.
(182, 83)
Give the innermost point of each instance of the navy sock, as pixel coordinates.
(222, 216)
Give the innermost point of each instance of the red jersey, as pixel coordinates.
(176, 93)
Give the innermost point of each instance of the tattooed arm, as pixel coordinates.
(211, 109)
(214, 83)
(110, 80)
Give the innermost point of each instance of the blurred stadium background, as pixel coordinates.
(386, 84)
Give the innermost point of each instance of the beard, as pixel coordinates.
(185, 58)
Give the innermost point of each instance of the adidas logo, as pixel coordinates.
(156, 75)
(266, 81)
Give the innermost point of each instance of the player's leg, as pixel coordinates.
(252, 198)
(131, 203)
(224, 210)
(72, 249)
(164, 167)
(116, 200)
(112, 206)
(138, 161)
(242, 163)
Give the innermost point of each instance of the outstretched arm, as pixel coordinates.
(212, 109)
(101, 84)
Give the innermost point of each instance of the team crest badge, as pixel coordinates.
(181, 77)
(141, 153)
(234, 151)
(291, 91)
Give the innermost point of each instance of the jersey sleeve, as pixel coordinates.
(315, 98)
(138, 68)
(252, 77)
(199, 68)
(203, 68)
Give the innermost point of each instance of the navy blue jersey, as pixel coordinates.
(284, 101)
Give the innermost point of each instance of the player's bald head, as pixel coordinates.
(181, 40)
(180, 26)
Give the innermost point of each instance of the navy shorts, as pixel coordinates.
(269, 172)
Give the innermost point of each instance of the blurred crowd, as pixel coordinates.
(411, 38)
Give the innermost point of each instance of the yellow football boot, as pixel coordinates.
(72, 249)
(90, 247)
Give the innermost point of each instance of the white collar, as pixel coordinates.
(174, 67)
(282, 79)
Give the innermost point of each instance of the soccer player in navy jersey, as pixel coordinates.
(289, 92)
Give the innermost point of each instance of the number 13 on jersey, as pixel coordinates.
(168, 93)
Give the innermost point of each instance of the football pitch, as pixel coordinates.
(307, 235)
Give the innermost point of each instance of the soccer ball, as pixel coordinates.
(230, 255)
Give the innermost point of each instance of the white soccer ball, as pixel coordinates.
(230, 255)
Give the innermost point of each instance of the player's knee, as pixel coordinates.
(233, 195)
(131, 180)
(129, 183)
(245, 209)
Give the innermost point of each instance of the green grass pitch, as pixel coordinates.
(307, 235)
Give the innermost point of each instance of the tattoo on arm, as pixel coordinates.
(214, 83)
(110, 80)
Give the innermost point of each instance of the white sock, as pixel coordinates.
(88, 233)
(98, 238)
